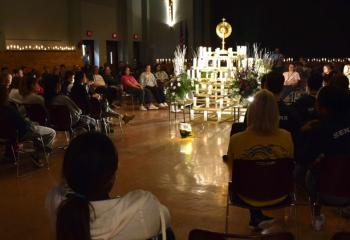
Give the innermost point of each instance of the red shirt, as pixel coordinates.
(127, 80)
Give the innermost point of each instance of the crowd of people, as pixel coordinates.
(316, 126)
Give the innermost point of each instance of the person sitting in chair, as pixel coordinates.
(291, 81)
(262, 140)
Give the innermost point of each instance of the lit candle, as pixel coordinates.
(192, 114)
(205, 115)
(197, 89)
(194, 101)
(221, 102)
(219, 116)
(207, 102)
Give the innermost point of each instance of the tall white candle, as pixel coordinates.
(195, 101)
(207, 102)
(205, 115)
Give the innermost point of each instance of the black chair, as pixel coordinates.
(261, 180)
(197, 234)
(9, 139)
(341, 236)
(61, 120)
(37, 113)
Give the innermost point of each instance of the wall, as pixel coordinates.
(37, 60)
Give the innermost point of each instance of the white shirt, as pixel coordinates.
(148, 80)
(131, 217)
(99, 81)
(291, 79)
(347, 70)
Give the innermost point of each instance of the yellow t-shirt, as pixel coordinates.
(247, 145)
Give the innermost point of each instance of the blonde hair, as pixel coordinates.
(263, 113)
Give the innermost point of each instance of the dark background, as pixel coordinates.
(310, 28)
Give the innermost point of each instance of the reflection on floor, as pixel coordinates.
(187, 175)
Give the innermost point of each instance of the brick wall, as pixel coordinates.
(36, 60)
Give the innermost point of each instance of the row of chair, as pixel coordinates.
(263, 180)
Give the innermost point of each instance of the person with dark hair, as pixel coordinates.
(291, 81)
(328, 72)
(68, 82)
(81, 96)
(26, 129)
(148, 80)
(17, 76)
(6, 79)
(113, 83)
(306, 104)
(53, 96)
(161, 76)
(131, 86)
(328, 137)
(26, 93)
(83, 208)
(339, 80)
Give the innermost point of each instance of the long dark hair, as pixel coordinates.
(50, 87)
(89, 168)
(27, 84)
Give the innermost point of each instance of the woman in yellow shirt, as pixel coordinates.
(263, 139)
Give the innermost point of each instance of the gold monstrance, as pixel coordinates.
(223, 30)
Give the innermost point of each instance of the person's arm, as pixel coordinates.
(143, 79)
(131, 84)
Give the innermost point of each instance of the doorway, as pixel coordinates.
(88, 51)
(112, 54)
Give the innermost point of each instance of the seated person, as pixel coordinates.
(262, 140)
(67, 82)
(291, 81)
(289, 118)
(53, 97)
(6, 79)
(131, 86)
(306, 104)
(161, 76)
(26, 129)
(82, 207)
(81, 96)
(102, 88)
(26, 93)
(328, 137)
(113, 82)
(148, 81)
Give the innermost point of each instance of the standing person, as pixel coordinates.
(277, 59)
(291, 81)
(131, 86)
(262, 140)
(82, 207)
(148, 81)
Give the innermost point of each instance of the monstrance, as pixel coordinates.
(223, 30)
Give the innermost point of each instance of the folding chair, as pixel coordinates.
(96, 113)
(37, 113)
(9, 139)
(197, 234)
(261, 180)
(61, 120)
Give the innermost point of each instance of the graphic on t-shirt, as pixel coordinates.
(271, 151)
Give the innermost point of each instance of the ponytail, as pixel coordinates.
(73, 219)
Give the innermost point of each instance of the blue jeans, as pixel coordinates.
(286, 91)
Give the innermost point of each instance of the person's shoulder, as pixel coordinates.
(239, 135)
(284, 133)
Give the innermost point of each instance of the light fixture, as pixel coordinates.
(170, 8)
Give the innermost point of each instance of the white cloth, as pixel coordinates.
(291, 79)
(99, 81)
(347, 70)
(135, 216)
(148, 80)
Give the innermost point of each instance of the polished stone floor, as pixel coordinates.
(187, 175)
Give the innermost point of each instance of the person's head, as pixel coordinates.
(89, 169)
(18, 73)
(126, 71)
(273, 81)
(80, 78)
(339, 80)
(148, 68)
(263, 113)
(277, 50)
(314, 83)
(331, 101)
(96, 70)
(3, 94)
(69, 77)
(62, 67)
(158, 67)
(291, 67)
(6, 79)
(107, 70)
(52, 87)
(5, 70)
(27, 84)
(327, 69)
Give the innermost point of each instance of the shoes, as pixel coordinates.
(318, 222)
(161, 105)
(152, 107)
(165, 104)
(175, 109)
(260, 222)
(142, 108)
(126, 119)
